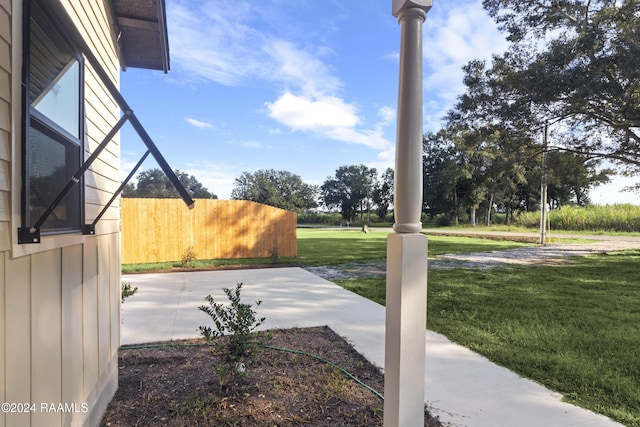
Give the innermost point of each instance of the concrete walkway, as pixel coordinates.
(462, 388)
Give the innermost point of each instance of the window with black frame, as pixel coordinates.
(53, 137)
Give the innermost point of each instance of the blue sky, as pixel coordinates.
(305, 86)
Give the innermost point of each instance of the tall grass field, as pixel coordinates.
(621, 217)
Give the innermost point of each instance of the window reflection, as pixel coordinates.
(58, 101)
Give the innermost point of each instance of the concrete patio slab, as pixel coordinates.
(462, 387)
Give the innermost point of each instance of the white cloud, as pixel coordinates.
(325, 114)
(392, 56)
(329, 116)
(198, 123)
(125, 168)
(452, 38)
(387, 115)
(211, 43)
(300, 69)
(220, 44)
(252, 144)
(218, 178)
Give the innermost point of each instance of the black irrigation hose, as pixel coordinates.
(315, 356)
(344, 371)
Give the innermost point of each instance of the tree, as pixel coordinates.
(441, 174)
(507, 101)
(478, 169)
(570, 177)
(153, 183)
(350, 190)
(576, 63)
(281, 189)
(382, 193)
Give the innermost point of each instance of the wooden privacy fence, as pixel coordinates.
(159, 230)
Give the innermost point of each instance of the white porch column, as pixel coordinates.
(406, 311)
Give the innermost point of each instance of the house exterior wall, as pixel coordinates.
(60, 299)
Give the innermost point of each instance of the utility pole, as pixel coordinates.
(543, 189)
(406, 303)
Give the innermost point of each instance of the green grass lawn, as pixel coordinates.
(329, 247)
(574, 328)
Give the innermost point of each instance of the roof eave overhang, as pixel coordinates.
(141, 31)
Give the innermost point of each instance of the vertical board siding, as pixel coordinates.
(2, 329)
(46, 335)
(17, 310)
(158, 230)
(114, 293)
(90, 315)
(104, 286)
(72, 353)
(5, 243)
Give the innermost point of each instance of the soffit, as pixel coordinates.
(141, 27)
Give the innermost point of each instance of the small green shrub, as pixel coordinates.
(188, 257)
(127, 290)
(237, 320)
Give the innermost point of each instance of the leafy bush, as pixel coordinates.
(238, 320)
(127, 290)
(319, 218)
(188, 257)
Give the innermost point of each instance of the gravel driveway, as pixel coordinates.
(548, 254)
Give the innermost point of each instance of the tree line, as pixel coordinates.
(458, 180)
(353, 190)
(562, 99)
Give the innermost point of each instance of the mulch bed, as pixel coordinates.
(176, 384)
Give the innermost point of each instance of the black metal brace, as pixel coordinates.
(91, 228)
(32, 234)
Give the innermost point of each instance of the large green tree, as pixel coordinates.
(382, 193)
(575, 63)
(153, 183)
(281, 189)
(442, 172)
(349, 190)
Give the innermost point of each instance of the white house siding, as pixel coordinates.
(59, 300)
(5, 180)
(102, 179)
(5, 120)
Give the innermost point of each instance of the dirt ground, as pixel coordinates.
(175, 384)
